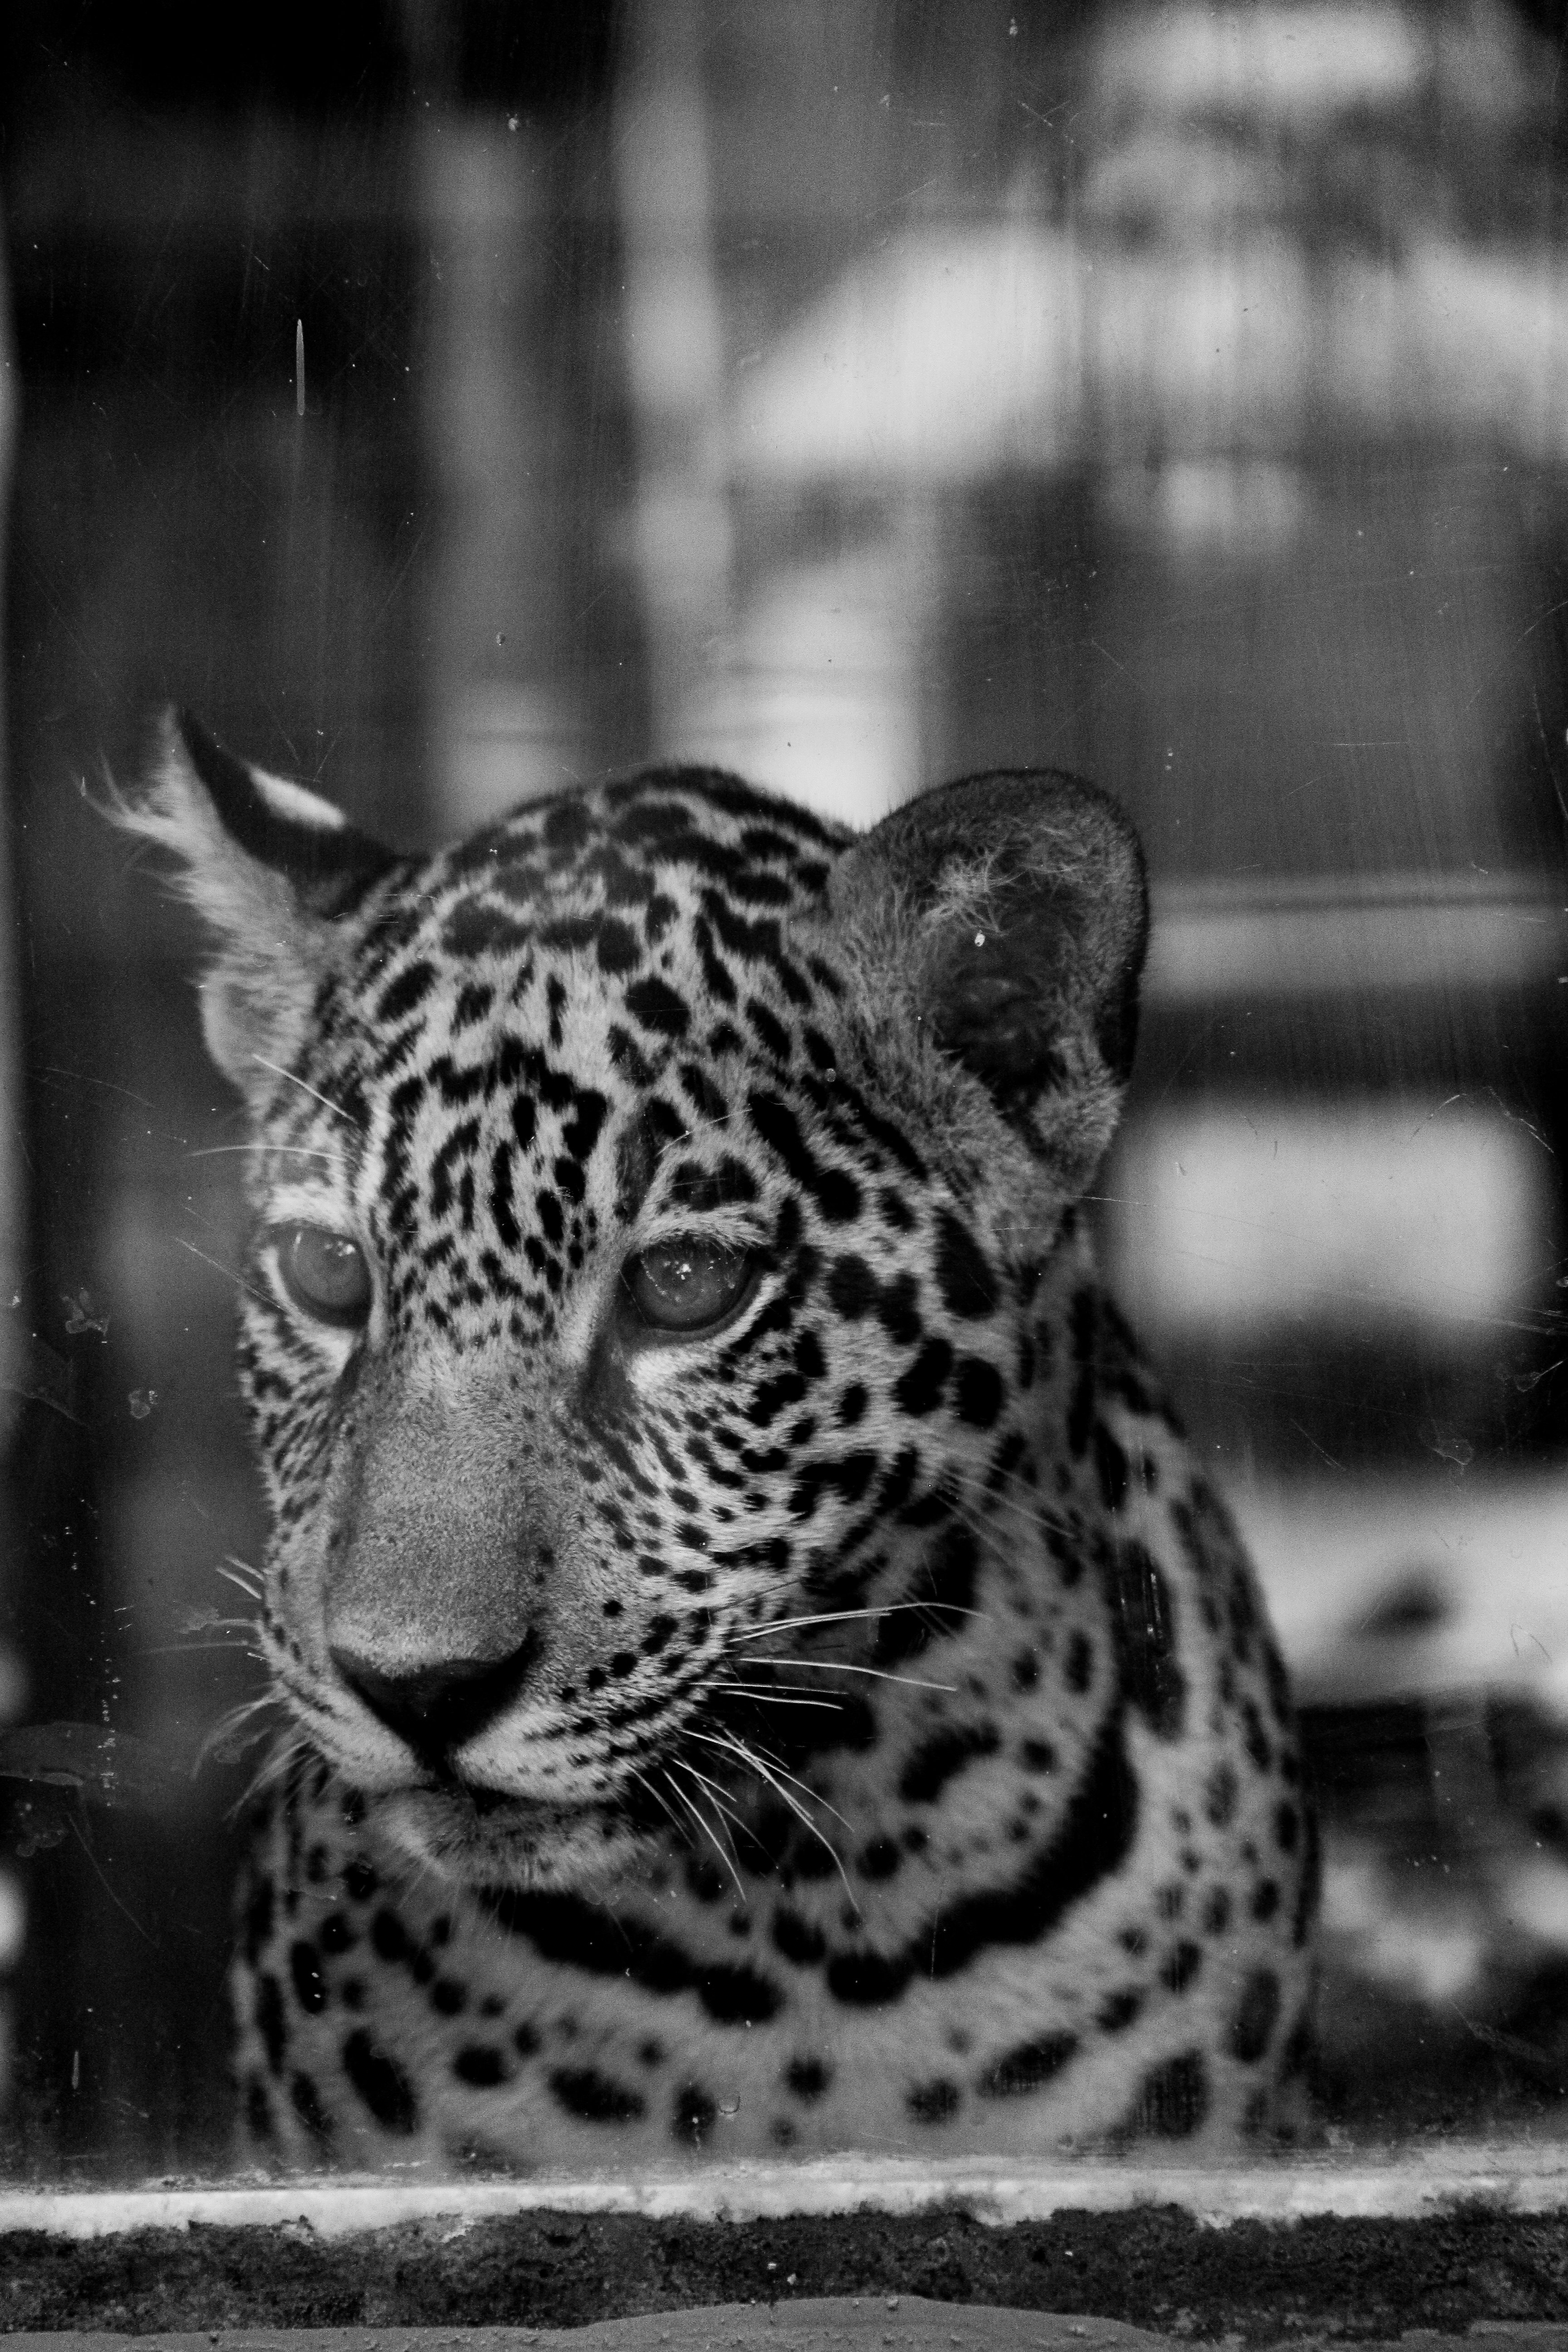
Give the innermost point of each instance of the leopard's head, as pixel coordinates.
(648, 1194)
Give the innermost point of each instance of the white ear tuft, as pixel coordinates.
(267, 865)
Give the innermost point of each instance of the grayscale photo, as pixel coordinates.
(784, 1087)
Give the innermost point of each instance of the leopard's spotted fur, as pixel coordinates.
(847, 1721)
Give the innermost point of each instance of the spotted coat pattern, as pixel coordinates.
(848, 1722)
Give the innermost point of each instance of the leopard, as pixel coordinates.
(757, 1670)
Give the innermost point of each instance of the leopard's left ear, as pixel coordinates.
(999, 926)
(268, 866)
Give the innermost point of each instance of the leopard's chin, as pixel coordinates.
(480, 1838)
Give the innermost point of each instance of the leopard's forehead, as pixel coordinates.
(640, 899)
(500, 1009)
(610, 871)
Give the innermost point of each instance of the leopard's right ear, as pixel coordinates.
(268, 866)
(997, 929)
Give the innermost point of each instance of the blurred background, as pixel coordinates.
(454, 402)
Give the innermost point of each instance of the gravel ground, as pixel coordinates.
(1322, 2278)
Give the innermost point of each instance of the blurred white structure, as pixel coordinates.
(503, 729)
(1232, 1220)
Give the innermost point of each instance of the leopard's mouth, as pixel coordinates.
(484, 1802)
(487, 1837)
(474, 1805)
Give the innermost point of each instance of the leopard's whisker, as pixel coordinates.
(272, 1770)
(1039, 1514)
(983, 1523)
(843, 1666)
(294, 1080)
(754, 1756)
(727, 1811)
(724, 1848)
(701, 1122)
(264, 1143)
(240, 1572)
(190, 1649)
(235, 1634)
(648, 1790)
(683, 1800)
(850, 1616)
(312, 1707)
(774, 1780)
(769, 1691)
(230, 1727)
(285, 1758)
(754, 1762)
(242, 1709)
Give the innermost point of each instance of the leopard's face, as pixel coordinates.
(603, 1315)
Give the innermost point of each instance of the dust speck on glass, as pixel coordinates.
(781, 1209)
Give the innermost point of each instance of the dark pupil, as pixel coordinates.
(681, 1284)
(327, 1271)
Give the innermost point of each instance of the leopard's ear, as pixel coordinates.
(268, 864)
(999, 925)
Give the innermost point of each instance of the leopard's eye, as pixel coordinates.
(687, 1284)
(325, 1274)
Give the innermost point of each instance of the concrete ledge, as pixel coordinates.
(1505, 2178)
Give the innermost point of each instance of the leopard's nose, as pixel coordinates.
(442, 1704)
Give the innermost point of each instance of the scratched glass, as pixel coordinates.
(856, 400)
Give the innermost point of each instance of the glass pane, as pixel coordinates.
(734, 1654)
